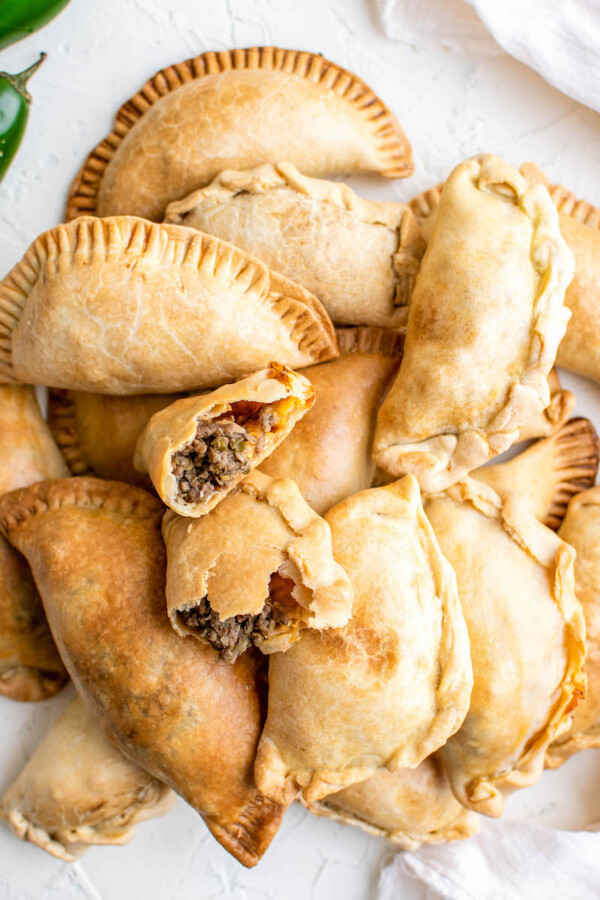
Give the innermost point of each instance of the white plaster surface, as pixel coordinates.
(451, 106)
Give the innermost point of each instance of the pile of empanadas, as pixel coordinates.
(255, 530)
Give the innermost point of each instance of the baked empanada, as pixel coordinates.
(550, 472)
(199, 448)
(78, 789)
(30, 667)
(358, 257)
(328, 454)
(409, 807)
(581, 529)
(122, 306)
(527, 637)
(98, 558)
(232, 110)
(392, 685)
(257, 569)
(485, 319)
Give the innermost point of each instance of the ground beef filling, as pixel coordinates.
(232, 636)
(221, 449)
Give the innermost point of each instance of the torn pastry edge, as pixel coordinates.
(89, 238)
(389, 140)
(445, 458)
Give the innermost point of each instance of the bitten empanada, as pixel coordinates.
(550, 472)
(328, 454)
(358, 257)
(485, 319)
(581, 529)
(409, 807)
(527, 637)
(98, 558)
(199, 448)
(257, 569)
(78, 789)
(232, 110)
(30, 666)
(123, 306)
(392, 685)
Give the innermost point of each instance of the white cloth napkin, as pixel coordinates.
(560, 39)
(505, 861)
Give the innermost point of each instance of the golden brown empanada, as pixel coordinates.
(98, 558)
(409, 807)
(527, 637)
(550, 472)
(358, 257)
(485, 319)
(30, 667)
(257, 569)
(560, 408)
(122, 306)
(78, 789)
(581, 529)
(255, 106)
(199, 448)
(328, 454)
(392, 685)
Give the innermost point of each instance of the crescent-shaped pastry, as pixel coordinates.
(30, 666)
(123, 306)
(328, 454)
(410, 807)
(257, 570)
(199, 448)
(358, 257)
(527, 637)
(96, 552)
(392, 685)
(581, 529)
(78, 789)
(232, 110)
(486, 317)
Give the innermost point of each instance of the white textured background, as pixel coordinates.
(101, 52)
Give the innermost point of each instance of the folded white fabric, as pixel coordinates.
(560, 39)
(505, 861)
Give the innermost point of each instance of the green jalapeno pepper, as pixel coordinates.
(14, 112)
(20, 18)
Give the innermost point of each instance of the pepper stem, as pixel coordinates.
(19, 81)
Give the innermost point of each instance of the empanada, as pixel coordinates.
(581, 529)
(485, 319)
(358, 257)
(199, 448)
(328, 454)
(30, 667)
(257, 569)
(550, 472)
(98, 558)
(232, 110)
(122, 306)
(392, 685)
(78, 789)
(527, 637)
(409, 807)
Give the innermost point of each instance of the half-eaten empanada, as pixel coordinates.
(486, 317)
(409, 807)
(232, 110)
(96, 552)
(358, 257)
(122, 306)
(199, 448)
(78, 789)
(30, 666)
(393, 684)
(527, 636)
(257, 569)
